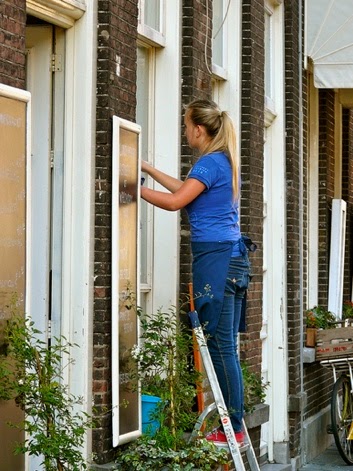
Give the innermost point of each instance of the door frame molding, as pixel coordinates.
(62, 13)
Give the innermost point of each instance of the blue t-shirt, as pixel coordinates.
(213, 215)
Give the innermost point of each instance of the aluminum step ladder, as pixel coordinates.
(219, 404)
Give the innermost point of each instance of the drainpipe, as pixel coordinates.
(301, 224)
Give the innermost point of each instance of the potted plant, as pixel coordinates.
(317, 318)
(347, 310)
(254, 388)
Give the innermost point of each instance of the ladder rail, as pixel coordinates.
(220, 405)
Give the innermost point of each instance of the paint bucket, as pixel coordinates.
(150, 406)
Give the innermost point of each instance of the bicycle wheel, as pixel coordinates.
(342, 417)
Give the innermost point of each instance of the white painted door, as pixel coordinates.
(45, 59)
(39, 83)
(45, 81)
(274, 328)
(266, 360)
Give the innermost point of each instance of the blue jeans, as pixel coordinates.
(223, 344)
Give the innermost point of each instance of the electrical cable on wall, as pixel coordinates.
(216, 34)
(206, 38)
(224, 19)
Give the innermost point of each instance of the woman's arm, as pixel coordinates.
(170, 183)
(186, 193)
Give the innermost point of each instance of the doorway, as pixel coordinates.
(45, 80)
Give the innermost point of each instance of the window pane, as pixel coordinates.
(142, 120)
(217, 33)
(268, 55)
(153, 14)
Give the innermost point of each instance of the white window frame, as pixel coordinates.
(226, 83)
(270, 101)
(270, 106)
(146, 33)
(165, 152)
(146, 288)
(221, 71)
(120, 123)
(337, 252)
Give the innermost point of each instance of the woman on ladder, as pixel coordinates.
(210, 195)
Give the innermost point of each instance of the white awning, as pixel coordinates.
(329, 41)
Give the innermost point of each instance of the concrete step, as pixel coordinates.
(276, 467)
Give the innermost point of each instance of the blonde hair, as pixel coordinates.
(220, 128)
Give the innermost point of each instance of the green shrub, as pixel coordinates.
(31, 374)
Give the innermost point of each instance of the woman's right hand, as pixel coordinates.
(170, 183)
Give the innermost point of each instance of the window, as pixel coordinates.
(152, 14)
(226, 82)
(270, 67)
(144, 110)
(151, 21)
(158, 114)
(219, 34)
(268, 54)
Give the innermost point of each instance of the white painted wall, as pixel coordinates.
(165, 267)
(78, 231)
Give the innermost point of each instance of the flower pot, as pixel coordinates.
(150, 406)
(310, 337)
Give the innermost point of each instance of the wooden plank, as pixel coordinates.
(341, 333)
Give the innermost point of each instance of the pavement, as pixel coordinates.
(329, 460)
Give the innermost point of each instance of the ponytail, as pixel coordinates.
(220, 128)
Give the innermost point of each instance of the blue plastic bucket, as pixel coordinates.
(149, 408)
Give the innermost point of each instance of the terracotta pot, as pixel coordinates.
(310, 337)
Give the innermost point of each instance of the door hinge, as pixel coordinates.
(51, 159)
(49, 328)
(56, 63)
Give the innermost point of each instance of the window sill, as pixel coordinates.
(260, 415)
(309, 355)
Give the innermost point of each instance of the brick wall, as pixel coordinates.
(116, 95)
(294, 154)
(252, 136)
(252, 118)
(12, 43)
(196, 83)
(347, 195)
(326, 185)
(318, 381)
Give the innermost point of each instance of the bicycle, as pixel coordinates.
(342, 406)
